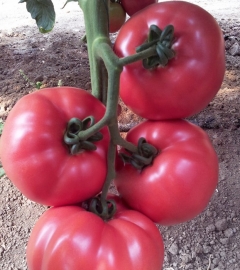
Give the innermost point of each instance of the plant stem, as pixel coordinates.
(105, 66)
(138, 56)
(96, 23)
(111, 170)
(105, 71)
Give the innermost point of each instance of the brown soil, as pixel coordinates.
(211, 240)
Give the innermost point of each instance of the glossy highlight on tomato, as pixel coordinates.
(190, 80)
(69, 237)
(180, 182)
(33, 152)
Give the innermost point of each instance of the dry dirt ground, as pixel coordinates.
(211, 240)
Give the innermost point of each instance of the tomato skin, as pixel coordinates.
(185, 85)
(133, 6)
(69, 237)
(34, 155)
(182, 179)
(117, 17)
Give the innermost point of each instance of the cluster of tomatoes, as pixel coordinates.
(40, 165)
(181, 180)
(174, 187)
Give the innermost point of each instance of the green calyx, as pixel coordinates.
(103, 208)
(162, 40)
(71, 136)
(144, 156)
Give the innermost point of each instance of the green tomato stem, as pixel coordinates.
(105, 71)
(138, 56)
(111, 170)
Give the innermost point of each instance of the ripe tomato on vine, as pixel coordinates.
(176, 82)
(181, 179)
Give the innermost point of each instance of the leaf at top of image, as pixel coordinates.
(43, 12)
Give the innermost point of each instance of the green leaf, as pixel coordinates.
(43, 12)
(69, 1)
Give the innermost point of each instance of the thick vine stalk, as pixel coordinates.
(105, 71)
(105, 68)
